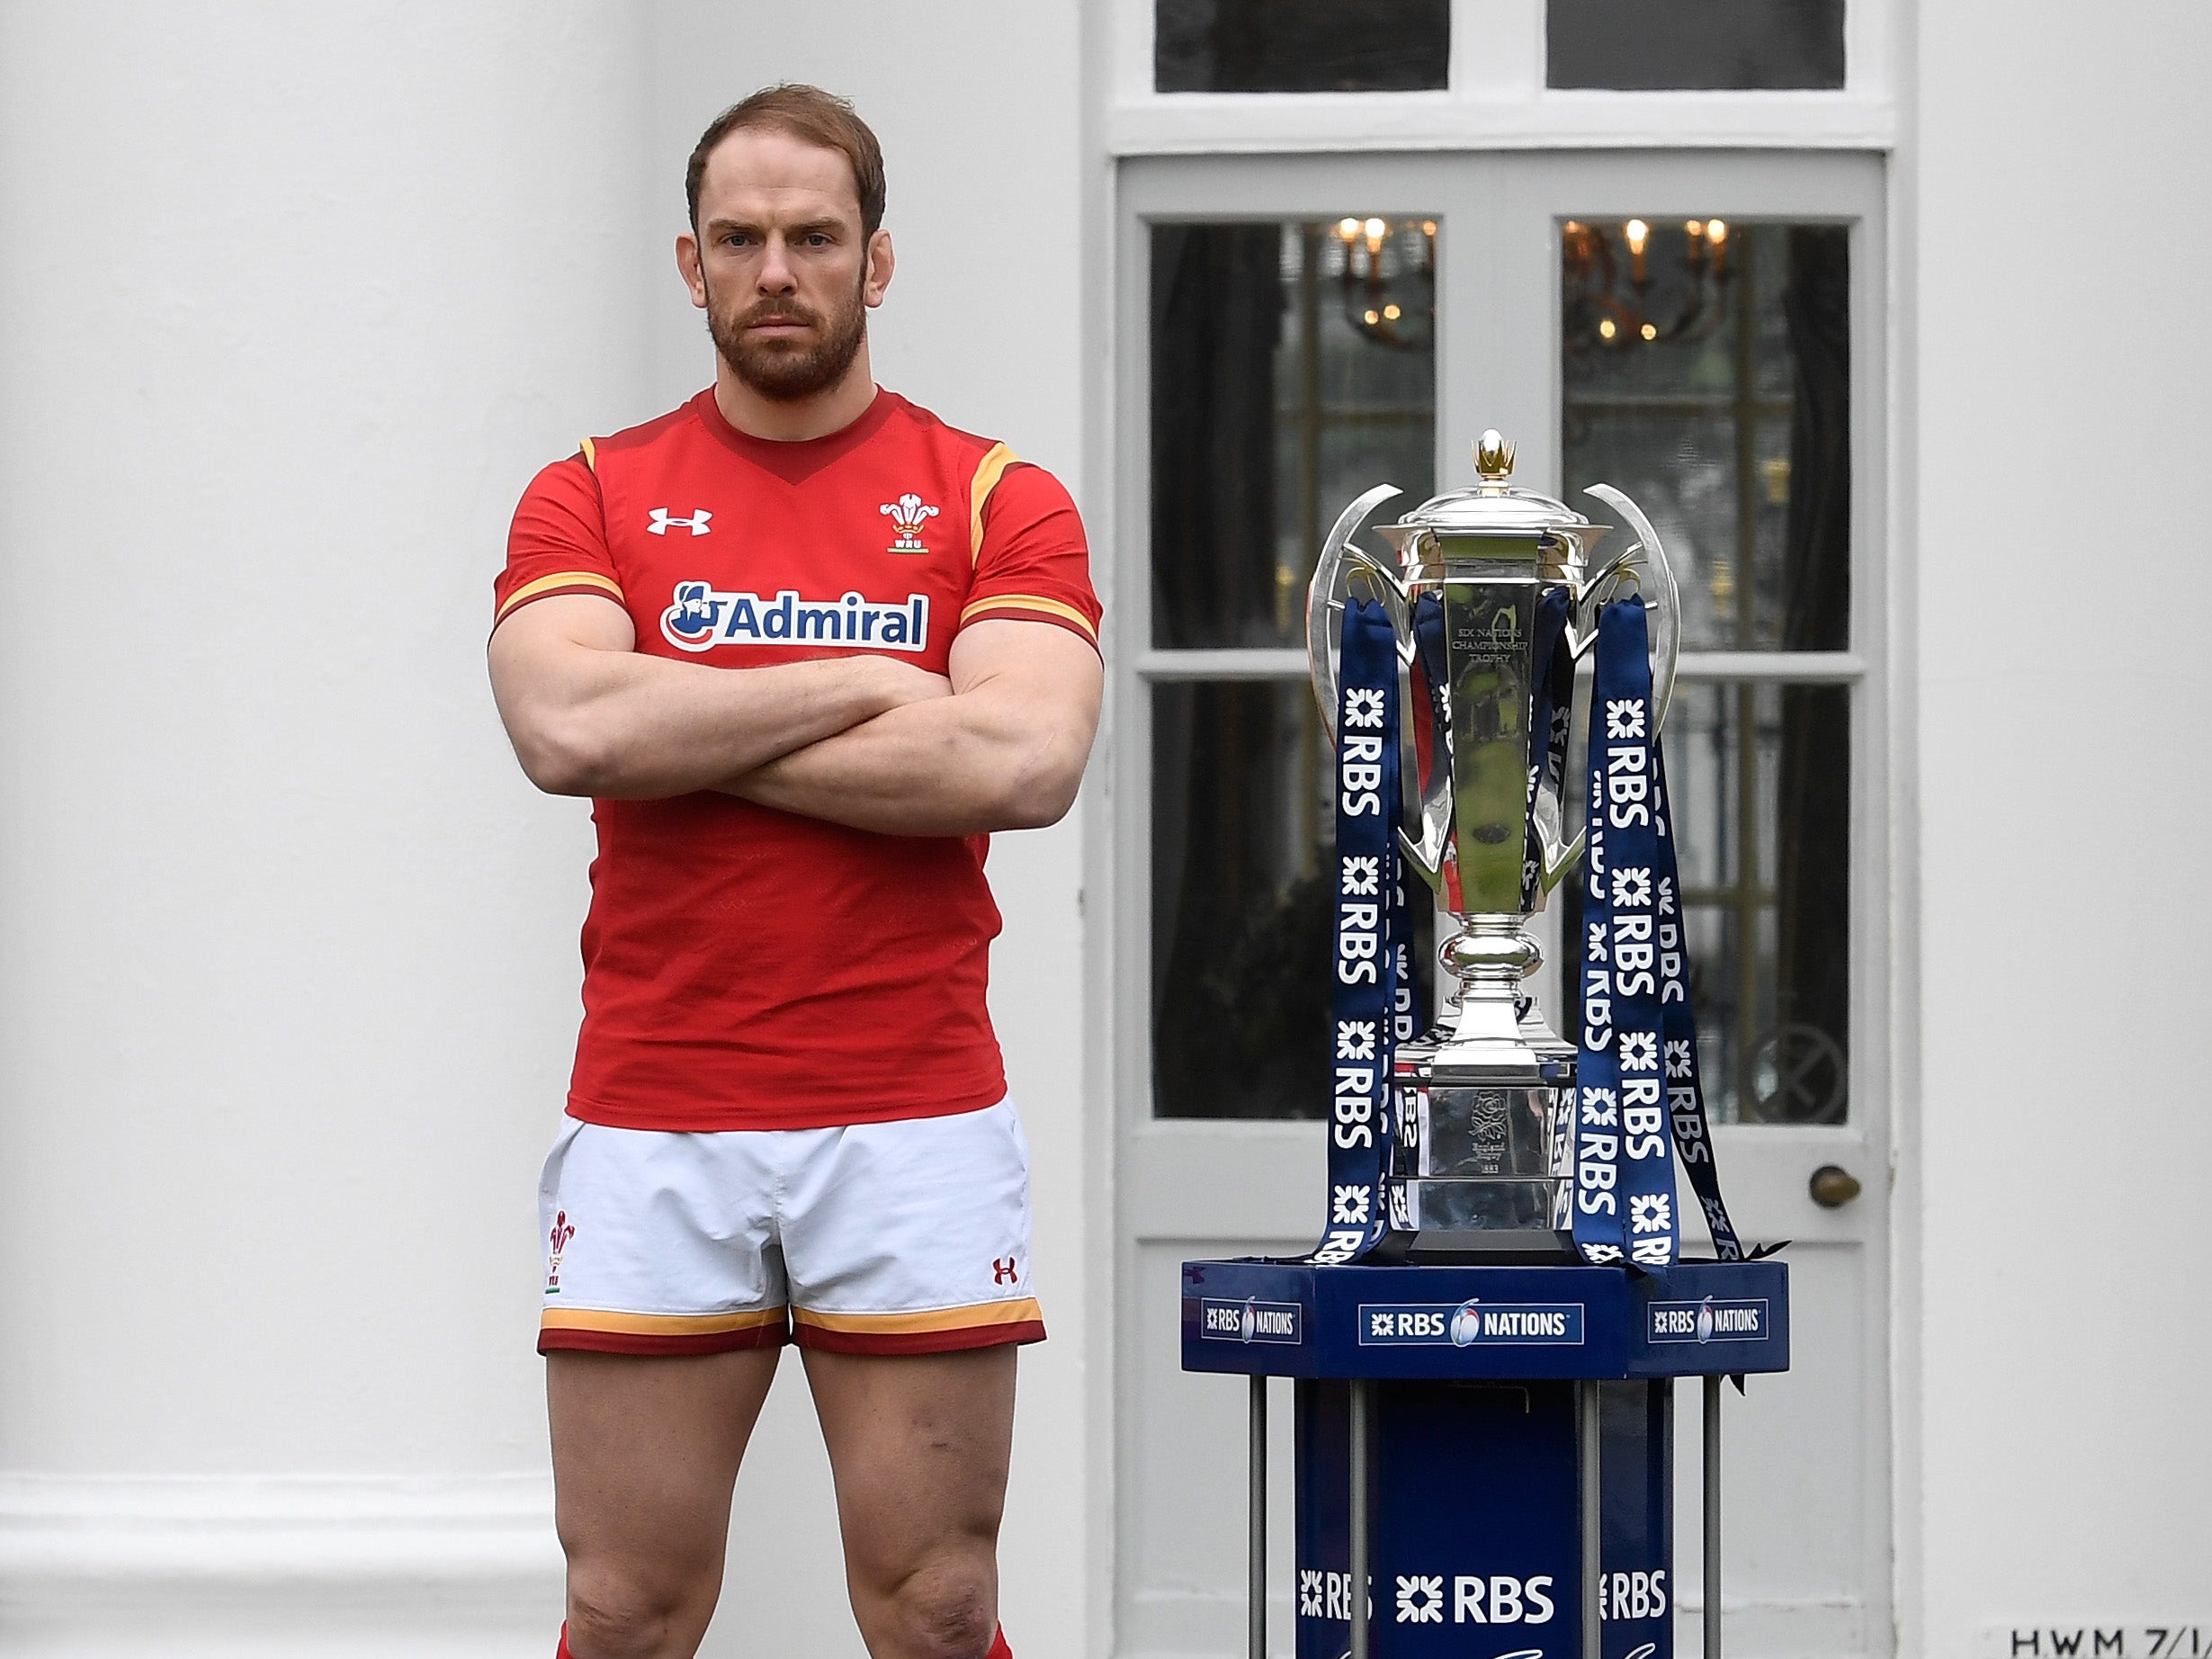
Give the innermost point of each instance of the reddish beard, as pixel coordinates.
(783, 369)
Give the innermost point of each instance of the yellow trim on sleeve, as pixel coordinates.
(988, 473)
(656, 1325)
(591, 454)
(565, 579)
(1021, 1311)
(1032, 602)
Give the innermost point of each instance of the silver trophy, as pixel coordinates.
(1483, 1162)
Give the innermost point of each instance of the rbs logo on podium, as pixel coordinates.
(1485, 1598)
(1496, 1600)
(1471, 1323)
(1709, 1321)
(1249, 1321)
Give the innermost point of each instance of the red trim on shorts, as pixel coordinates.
(566, 1339)
(918, 1341)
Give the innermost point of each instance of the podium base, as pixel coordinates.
(1473, 1497)
(1485, 1452)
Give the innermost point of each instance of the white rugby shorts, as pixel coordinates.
(910, 1237)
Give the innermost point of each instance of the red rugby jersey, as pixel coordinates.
(746, 968)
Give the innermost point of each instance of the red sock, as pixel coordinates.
(562, 1650)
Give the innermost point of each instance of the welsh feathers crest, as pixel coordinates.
(908, 514)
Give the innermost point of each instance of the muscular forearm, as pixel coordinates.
(965, 764)
(622, 724)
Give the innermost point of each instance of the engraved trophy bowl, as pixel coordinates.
(1483, 1167)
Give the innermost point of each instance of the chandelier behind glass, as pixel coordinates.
(1387, 284)
(1633, 285)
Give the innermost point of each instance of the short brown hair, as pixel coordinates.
(812, 116)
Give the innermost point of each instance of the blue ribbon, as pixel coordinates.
(1679, 1027)
(1637, 1071)
(1425, 681)
(1599, 1238)
(1367, 1006)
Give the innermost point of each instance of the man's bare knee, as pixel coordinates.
(615, 1616)
(947, 1609)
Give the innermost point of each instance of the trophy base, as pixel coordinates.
(1504, 1221)
(1483, 1166)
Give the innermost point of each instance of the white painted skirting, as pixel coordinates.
(94, 1567)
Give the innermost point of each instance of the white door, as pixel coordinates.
(1705, 331)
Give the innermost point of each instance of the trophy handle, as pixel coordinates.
(1645, 567)
(1324, 599)
(1644, 564)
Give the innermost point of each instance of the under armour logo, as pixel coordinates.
(1005, 1270)
(663, 519)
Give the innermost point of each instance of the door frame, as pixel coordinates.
(1139, 1154)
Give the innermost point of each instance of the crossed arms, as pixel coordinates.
(869, 741)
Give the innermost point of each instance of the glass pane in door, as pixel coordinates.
(1761, 780)
(1293, 367)
(1240, 907)
(1300, 45)
(1697, 45)
(1242, 826)
(1706, 372)
(1761, 796)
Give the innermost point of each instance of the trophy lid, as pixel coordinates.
(1495, 505)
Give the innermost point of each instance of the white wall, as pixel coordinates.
(2060, 366)
(293, 302)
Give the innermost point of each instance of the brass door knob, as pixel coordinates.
(1833, 1186)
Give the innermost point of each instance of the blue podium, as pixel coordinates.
(1487, 1452)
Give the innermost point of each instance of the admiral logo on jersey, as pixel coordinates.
(703, 616)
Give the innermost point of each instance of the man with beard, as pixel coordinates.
(806, 647)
